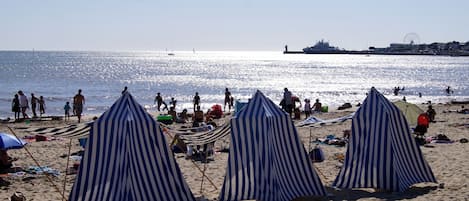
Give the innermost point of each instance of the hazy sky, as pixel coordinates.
(226, 25)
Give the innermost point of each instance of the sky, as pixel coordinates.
(179, 25)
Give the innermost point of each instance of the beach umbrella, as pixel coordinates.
(8, 141)
(410, 111)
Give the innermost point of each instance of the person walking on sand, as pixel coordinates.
(42, 106)
(227, 100)
(196, 100)
(15, 106)
(78, 102)
(34, 101)
(24, 104)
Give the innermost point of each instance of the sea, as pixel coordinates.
(333, 79)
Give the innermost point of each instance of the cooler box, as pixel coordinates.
(325, 109)
(166, 119)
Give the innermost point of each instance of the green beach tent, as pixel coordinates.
(410, 111)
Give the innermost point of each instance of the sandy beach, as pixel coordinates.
(448, 162)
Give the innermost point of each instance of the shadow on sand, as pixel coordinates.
(356, 194)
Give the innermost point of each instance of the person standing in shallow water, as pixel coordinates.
(42, 105)
(227, 100)
(288, 103)
(24, 104)
(15, 106)
(34, 101)
(78, 102)
(196, 100)
(159, 101)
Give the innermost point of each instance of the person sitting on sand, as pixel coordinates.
(6, 161)
(198, 115)
(173, 113)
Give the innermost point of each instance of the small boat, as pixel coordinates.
(170, 54)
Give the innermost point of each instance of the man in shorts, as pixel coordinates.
(78, 102)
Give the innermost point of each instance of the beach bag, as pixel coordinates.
(316, 155)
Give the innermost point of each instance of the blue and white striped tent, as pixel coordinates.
(127, 158)
(267, 160)
(382, 153)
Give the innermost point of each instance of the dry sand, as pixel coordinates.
(449, 163)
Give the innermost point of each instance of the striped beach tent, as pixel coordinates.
(73, 131)
(267, 160)
(127, 159)
(382, 153)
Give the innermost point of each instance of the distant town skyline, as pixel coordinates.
(226, 25)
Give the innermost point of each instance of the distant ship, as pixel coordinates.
(322, 47)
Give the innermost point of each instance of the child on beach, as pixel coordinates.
(67, 111)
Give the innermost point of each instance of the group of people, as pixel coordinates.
(397, 90)
(228, 101)
(20, 104)
(288, 104)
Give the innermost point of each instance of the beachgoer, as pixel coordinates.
(404, 99)
(307, 108)
(173, 102)
(448, 90)
(232, 101)
(463, 110)
(67, 111)
(198, 115)
(159, 101)
(227, 100)
(15, 106)
(6, 161)
(182, 117)
(34, 101)
(173, 113)
(431, 113)
(78, 102)
(317, 107)
(288, 102)
(42, 105)
(24, 104)
(196, 100)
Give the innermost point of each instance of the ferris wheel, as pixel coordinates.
(411, 38)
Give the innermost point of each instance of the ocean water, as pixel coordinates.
(334, 79)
